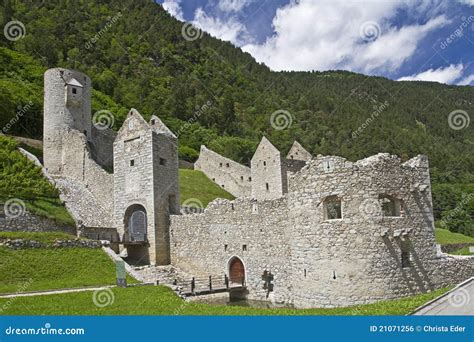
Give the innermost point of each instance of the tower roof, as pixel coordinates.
(74, 82)
(298, 152)
(159, 127)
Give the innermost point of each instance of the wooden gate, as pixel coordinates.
(236, 271)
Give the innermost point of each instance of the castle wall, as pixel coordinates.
(103, 147)
(318, 262)
(203, 244)
(228, 174)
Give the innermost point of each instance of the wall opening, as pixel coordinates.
(132, 162)
(236, 271)
(135, 224)
(391, 206)
(332, 208)
(267, 186)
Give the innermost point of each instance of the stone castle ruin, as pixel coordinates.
(303, 230)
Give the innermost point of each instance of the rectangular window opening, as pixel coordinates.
(132, 162)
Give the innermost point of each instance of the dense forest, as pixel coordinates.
(210, 92)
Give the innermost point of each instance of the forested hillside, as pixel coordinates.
(210, 92)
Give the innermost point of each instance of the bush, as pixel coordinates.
(187, 153)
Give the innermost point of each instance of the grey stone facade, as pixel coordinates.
(312, 232)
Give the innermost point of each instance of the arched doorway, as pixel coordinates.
(236, 271)
(136, 223)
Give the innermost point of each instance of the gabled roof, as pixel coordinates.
(265, 146)
(159, 127)
(74, 82)
(298, 152)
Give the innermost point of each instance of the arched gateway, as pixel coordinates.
(236, 271)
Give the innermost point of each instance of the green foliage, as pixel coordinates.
(445, 237)
(238, 149)
(187, 153)
(43, 237)
(160, 300)
(194, 185)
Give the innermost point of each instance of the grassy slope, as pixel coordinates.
(159, 300)
(445, 237)
(52, 268)
(195, 185)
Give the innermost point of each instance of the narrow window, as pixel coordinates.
(332, 208)
(390, 206)
(74, 90)
(132, 162)
(250, 179)
(305, 272)
(244, 247)
(241, 177)
(225, 248)
(227, 164)
(162, 161)
(213, 179)
(264, 163)
(267, 186)
(220, 164)
(405, 254)
(153, 121)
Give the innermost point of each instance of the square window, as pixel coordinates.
(74, 90)
(162, 161)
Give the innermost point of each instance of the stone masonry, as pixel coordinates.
(312, 232)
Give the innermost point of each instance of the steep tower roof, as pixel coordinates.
(74, 82)
(298, 152)
(265, 146)
(159, 127)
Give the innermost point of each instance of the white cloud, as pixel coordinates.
(233, 5)
(324, 35)
(230, 29)
(467, 2)
(174, 8)
(446, 75)
(467, 80)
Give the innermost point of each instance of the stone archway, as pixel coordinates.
(135, 221)
(236, 271)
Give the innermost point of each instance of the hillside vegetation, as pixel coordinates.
(210, 92)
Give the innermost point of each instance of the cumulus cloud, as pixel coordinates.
(230, 29)
(468, 80)
(233, 5)
(447, 75)
(174, 8)
(326, 35)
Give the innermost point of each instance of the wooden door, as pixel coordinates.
(236, 271)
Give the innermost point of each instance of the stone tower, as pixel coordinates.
(269, 179)
(298, 152)
(146, 188)
(67, 106)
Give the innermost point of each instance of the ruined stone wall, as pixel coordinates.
(29, 222)
(358, 258)
(256, 232)
(228, 174)
(321, 262)
(78, 165)
(102, 147)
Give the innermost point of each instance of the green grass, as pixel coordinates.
(462, 251)
(159, 300)
(445, 237)
(44, 238)
(52, 209)
(195, 185)
(53, 268)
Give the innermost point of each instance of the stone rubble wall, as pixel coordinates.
(72, 243)
(326, 263)
(102, 147)
(234, 178)
(29, 222)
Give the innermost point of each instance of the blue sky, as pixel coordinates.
(429, 40)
